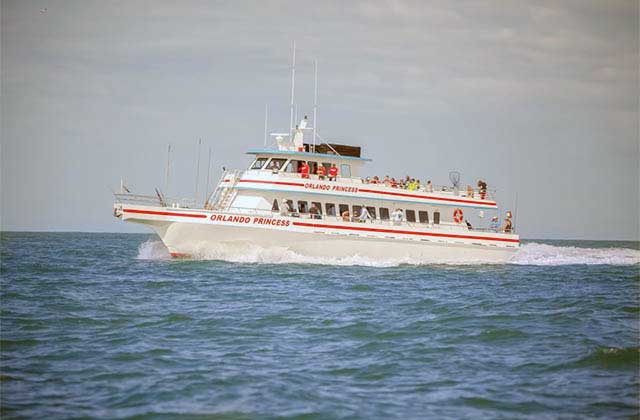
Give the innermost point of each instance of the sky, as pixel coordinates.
(539, 98)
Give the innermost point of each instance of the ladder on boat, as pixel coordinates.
(223, 196)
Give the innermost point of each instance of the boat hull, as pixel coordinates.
(192, 240)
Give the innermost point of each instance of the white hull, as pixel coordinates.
(204, 238)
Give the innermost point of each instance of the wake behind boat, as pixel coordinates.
(310, 198)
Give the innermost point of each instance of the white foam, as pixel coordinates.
(529, 254)
(153, 250)
(543, 254)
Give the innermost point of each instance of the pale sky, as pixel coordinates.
(536, 97)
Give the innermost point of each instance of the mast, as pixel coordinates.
(293, 85)
(315, 102)
(266, 123)
(198, 168)
(206, 188)
(166, 180)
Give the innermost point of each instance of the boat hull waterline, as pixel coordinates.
(202, 234)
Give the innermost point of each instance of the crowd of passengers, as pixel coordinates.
(413, 184)
(363, 214)
(408, 183)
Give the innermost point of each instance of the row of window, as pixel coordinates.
(292, 165)
(330, 210)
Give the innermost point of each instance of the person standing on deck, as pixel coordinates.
(333, 172)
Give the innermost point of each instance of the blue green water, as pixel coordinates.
(105, 326)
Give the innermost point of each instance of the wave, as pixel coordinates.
(537, 254)
(543, 254)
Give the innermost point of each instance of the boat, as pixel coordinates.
(310, 197)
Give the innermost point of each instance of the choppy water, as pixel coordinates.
(106, 326)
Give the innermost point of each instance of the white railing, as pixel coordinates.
(154, 200)
(474, 193)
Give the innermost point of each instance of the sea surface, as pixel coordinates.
(107, 326)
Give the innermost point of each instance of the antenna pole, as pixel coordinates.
(206, 190)
(293, 86)
(515, 212)
(266, 123)
(166, 180)
(198, 167)
(315, 102)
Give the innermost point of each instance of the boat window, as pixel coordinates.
(384, 213)
(275, 206)
(345, 170)
(313, 167)
(342, 208)
(292, 166)
(303, 207)
(290, 208)
(331, 209)
(436, 217)
(423, 216)
(276, 164)
(372, 212)
(318, 206)
(326, 167)
(356, 211)
(410, 215)
(259, 163)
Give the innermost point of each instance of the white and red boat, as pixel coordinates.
(309, 198)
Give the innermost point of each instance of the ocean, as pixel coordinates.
(108, 326)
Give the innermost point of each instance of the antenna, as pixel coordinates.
(315, 102)
(293, 85)
(206, 188)
(266, 123)
(166, 180)
(198, 167)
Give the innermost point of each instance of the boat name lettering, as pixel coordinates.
(340, 188)
(248, 219)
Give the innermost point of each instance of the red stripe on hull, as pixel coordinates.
(179, 255)
(366, 190)
(404, 232)
(165, 213)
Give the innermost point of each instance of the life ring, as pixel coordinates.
(457, 216)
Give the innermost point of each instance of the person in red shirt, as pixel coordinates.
(304, 170)
(321, 172)
(333, 172)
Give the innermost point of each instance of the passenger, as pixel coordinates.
(346, 216)
(495, 224)
(394, 183)
(418, 185)
(397, 216)
(375, 180)
(275, 167)
(468, 224)
(333, 172)
(314, 212)
(412, 185)
(482, 186)
(321, 172)
(285, 207)
(508, 226)
(386, 181)
(304, 170)
(364, 215)
(429, 186)
(302, 207)
(469, 191)
(367, 180)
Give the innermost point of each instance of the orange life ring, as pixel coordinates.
(457, 216)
